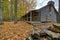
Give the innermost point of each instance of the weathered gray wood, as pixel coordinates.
(29, 38)
(55, 26)
(1, 22)
(30, 16)
(51, 34)
(49, 16)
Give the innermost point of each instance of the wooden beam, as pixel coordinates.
(30, 16)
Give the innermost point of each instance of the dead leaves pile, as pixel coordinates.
(11, 31)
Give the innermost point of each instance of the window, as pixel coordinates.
(35, 17)
(28, 15)
(28, 19)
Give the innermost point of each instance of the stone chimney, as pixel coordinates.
(59, 6)
(51, 3)
(59, 12)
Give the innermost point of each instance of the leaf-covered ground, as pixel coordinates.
(19, 31)
(11, 31)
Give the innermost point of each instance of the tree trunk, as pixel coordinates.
(1, 12)
(11, 2)
(15, 10)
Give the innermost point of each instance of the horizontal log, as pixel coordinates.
(55, 26)
(51, 34)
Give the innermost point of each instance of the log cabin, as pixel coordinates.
(45, 14)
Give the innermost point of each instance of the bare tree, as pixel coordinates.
(1, 12)
(15, 10)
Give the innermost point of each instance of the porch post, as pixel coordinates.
(27, 17)
(30, 16)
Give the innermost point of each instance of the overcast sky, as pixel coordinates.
(41, 3)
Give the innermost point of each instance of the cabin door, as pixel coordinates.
(35, 17)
